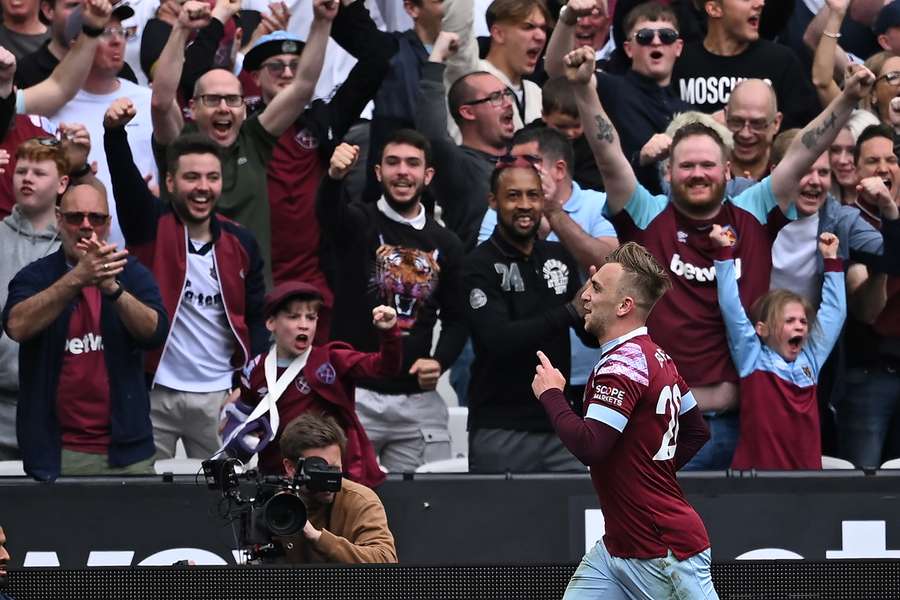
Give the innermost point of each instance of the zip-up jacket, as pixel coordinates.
(41, 359)
(155, 234)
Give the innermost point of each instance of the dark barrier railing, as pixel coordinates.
(781, 580)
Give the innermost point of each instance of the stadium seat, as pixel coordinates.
(11, 468)
(830, 462)
(459, 437)
(894, 463)
(451, 465)
(178, 466)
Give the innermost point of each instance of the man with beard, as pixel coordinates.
(210, 274)
(688, 322)
(394, 253)
(83, 317)
(641, 425)
(348, 526)
(522, 297)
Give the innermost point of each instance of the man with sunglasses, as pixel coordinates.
(641, 102)
(732, 51)
(676, 231)
(83, 317)
(102, 86)
(218, 110)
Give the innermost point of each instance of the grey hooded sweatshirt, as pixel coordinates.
(20, 245)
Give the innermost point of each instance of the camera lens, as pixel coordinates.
(284, 514)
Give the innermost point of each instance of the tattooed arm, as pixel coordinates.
(618, 176)
(818, 135)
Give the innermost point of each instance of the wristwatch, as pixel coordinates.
(89, 31)
(116, 294)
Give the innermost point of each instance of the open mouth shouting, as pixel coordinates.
(753, 21)
(795, 343)
(533, 54)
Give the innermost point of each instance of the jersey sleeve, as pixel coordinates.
(618, 382)
(760, 201)
(488, 223)
(642, 207)
(831, 314)
(743, 342)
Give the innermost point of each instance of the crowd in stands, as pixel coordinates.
(221, 215)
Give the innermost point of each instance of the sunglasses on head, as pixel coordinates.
(532, 159)
(77, 218)
(645, 37)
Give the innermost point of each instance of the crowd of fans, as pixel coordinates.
(221, 215)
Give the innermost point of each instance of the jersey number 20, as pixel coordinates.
(669, 401)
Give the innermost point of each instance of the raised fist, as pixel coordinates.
(343, 159)
(119, 113)
(828, 245)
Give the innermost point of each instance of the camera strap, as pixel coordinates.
(276, 387)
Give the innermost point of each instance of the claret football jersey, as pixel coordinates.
(636, 389)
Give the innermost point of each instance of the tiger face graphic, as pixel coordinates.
(405, 278)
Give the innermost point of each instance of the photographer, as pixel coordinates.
(348, 526)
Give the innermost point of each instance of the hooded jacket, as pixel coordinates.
(20, 245)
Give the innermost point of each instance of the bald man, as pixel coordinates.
(752, 116)
(218, 110)
(83, 316)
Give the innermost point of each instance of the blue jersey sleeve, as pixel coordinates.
(487, 225)
(743, 343)
(829, 318)
(642, 207)
(759, 201)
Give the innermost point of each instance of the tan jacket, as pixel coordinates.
(354, 530)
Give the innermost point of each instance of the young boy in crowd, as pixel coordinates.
(295, 377)
(779, 359)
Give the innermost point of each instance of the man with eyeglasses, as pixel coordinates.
(641, 102)
(218, 110)
(753, 118)
(732, 51)
(102, 86)
(83, 317)
(483, 108)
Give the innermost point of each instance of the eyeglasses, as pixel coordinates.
(892, 77)
(645, 37)
(496, 99)
(128, 33)
(277, 67)
(213, 100)
(77, 218)
(735, 124)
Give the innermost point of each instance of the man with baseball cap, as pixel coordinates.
(296, 376)
(210, 275)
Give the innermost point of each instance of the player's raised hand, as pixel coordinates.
(546, 377)
(828, 245)
(384, 317)
(342, 160)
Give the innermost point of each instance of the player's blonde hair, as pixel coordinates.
(645, 279)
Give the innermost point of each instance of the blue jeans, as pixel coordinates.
(717, 453)
(868, 416)
(460, 374)
(601, 575)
